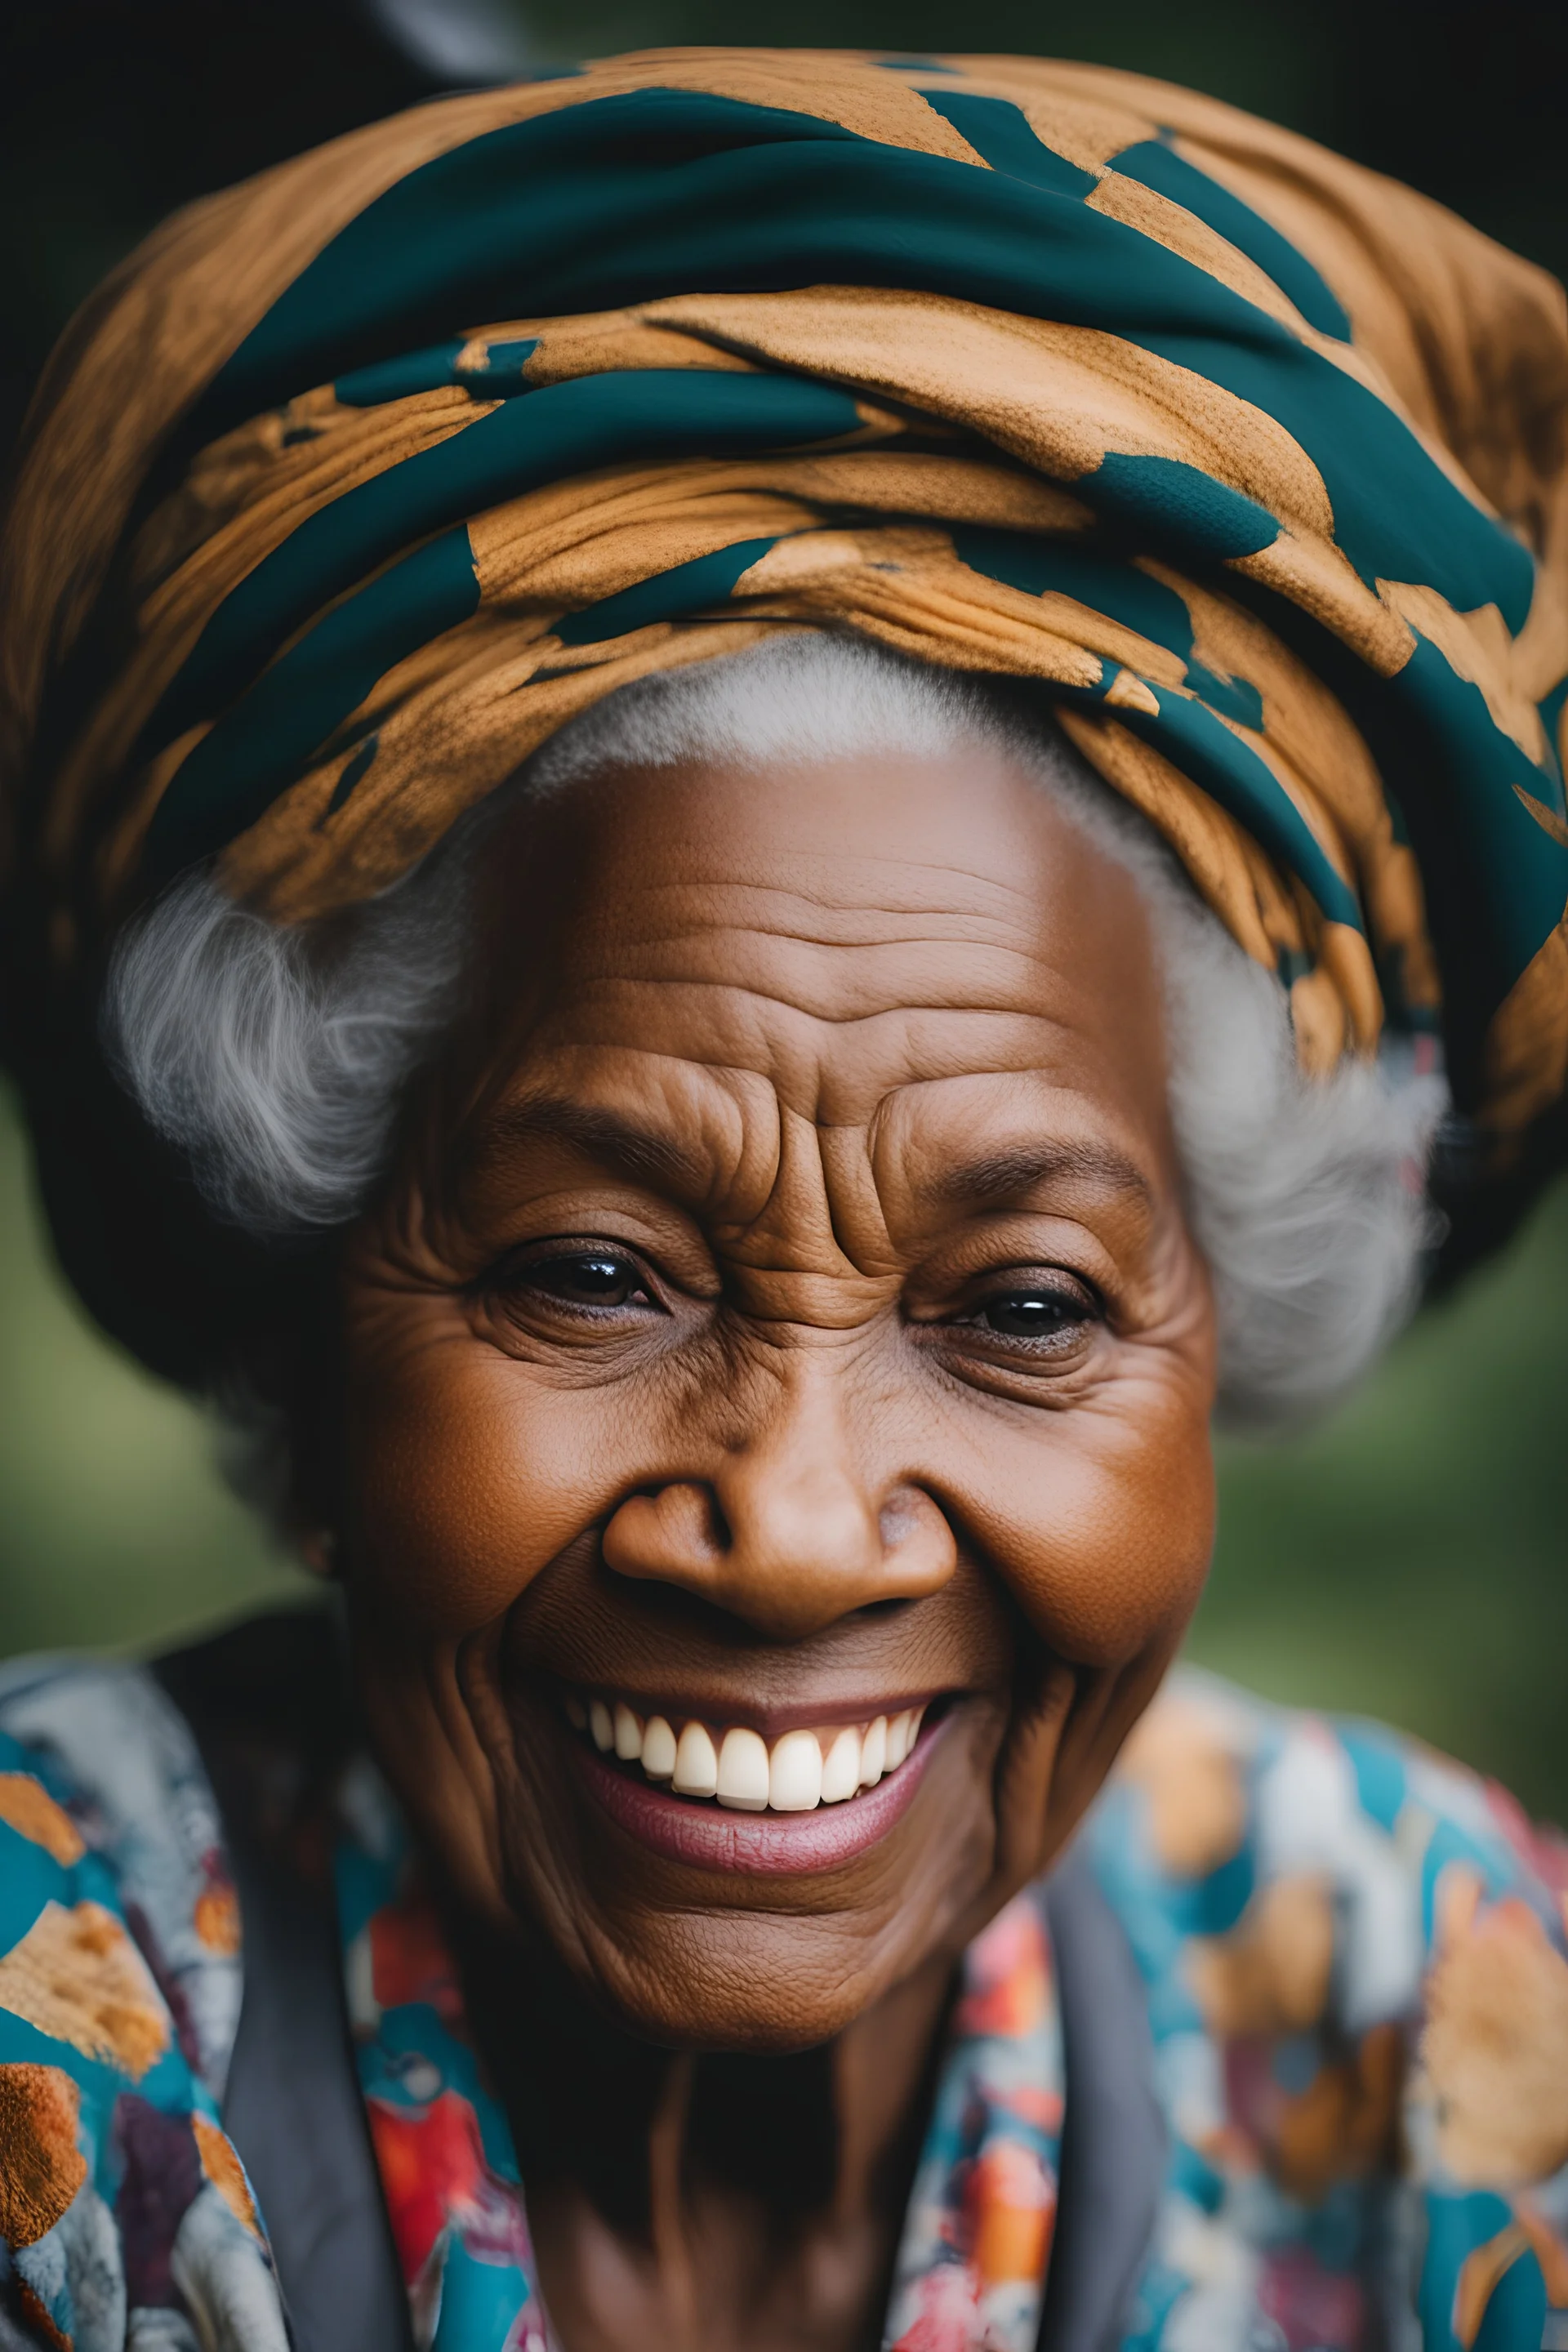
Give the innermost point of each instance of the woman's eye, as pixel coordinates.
(1030, 1314)
(585, 1278)
(1047, 1312)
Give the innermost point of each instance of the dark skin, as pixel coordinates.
(782, 1307)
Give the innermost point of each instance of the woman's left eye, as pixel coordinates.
(1042, 1312)
(1029, 1314)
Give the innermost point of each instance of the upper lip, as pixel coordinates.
(771, 1720)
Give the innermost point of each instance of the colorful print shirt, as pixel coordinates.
(1357, 1978)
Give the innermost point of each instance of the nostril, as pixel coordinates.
(666, 1531)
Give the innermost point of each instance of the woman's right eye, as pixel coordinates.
(583, 1278)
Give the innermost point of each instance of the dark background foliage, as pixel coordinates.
(1406, 1559)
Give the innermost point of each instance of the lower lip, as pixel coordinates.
(759, 1845)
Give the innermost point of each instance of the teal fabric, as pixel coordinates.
(258, 747)
(1156, 164)
(561, 430)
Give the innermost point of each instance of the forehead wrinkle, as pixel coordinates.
(724, 935)
(838, 983)
(794, 1232)
(857, 1016)
(832, 893)
(800, 1048)
(859, 1220)
(906, 1048)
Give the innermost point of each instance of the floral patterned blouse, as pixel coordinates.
(1352, 1954)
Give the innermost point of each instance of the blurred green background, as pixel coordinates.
(1406, 1559)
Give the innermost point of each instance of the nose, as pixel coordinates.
(792, 1531)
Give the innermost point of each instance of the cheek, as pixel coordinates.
(466, 1477)
(1101, 1520)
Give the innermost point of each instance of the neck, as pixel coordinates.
(790, 2172)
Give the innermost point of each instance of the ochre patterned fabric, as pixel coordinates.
(125, 2214)
(1355, 1957)
(361, 479)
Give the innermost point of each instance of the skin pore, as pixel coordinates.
(783, 1317)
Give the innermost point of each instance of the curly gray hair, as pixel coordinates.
(276, 1059)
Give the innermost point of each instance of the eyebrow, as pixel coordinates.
(1002, 1175)
(602, 1135)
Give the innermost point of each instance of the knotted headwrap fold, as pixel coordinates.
(360, 479)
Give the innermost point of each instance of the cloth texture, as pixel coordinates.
(359, 480)
(1352, 1954)
(126, 2216)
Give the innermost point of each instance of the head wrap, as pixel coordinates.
(359, 480)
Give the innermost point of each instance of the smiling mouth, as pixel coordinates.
(733, 1766)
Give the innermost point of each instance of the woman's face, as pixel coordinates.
(782, 1319)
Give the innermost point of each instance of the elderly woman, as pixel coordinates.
(760, 807)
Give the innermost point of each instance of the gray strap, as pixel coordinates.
(293, 2110)
(1114, 2143)
(274, 1687)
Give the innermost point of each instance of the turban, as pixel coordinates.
(358, 480)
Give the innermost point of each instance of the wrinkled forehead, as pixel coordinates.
(836, 933)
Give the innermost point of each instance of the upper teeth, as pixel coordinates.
(800, 1770)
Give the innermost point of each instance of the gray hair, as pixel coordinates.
(276, 1059)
